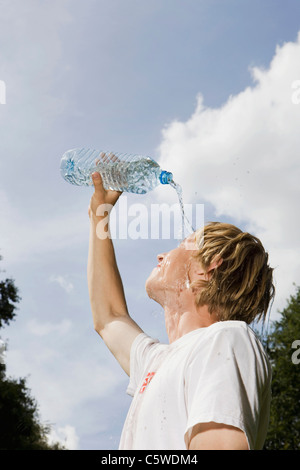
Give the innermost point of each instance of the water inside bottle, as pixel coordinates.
(185, 223)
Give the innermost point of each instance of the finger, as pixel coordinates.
(97, 181)
(104, 157)
(114, 158)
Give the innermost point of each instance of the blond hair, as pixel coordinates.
(241, 286)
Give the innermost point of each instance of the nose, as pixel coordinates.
(160, 257)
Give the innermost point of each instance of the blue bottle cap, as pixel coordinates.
(165, 177)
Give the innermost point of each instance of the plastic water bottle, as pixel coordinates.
(120, 172)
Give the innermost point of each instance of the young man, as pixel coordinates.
(209, 388)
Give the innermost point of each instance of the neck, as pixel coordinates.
(181, 319)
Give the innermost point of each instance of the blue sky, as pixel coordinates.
(205, 87)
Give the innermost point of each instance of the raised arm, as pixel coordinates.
(107, 299)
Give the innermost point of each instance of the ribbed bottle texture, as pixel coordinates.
(120, 172)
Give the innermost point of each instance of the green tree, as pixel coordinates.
(8, 299)
(283, 348)
(20, 428)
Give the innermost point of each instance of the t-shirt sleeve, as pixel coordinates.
(143, 349)
(225, 383)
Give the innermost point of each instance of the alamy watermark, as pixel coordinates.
(2, 92)
(296, 354)
(296, 94)
(144, 221)
(2, 352)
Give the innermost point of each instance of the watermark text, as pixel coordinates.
(2, 352)
(296, 94)
(154, 221)
(296, 354)
(2, 92)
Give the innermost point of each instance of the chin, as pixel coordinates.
(151, 287)
(148, 287)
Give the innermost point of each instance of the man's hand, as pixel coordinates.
(101, 196)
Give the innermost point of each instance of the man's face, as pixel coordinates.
(174, 270)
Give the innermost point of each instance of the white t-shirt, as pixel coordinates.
(219, 373)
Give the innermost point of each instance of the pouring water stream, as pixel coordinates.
(184, 220)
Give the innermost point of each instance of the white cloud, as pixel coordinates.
(63, 282)
(43, 329)
(66, 436)
(243, 157)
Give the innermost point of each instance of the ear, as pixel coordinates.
(216, 262)
(197, 272)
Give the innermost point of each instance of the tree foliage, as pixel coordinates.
(20, 428)
(8, 299)
(281, 344)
